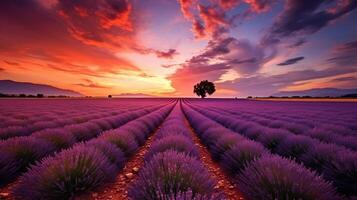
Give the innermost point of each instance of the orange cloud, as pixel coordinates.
(211, 20)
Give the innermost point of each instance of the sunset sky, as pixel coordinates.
(163, 47)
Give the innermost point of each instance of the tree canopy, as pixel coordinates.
(203, 88)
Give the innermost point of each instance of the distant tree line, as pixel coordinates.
(31, 96)
(306, 97)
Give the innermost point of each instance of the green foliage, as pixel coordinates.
(203, 88)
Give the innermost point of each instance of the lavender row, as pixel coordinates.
(172, 169)
(325, 133)
(335, 163)
(341, 116)
(30, 125)
(87, 165)
(15, 131)
(32, 118)
(258, 174)
(18, 153)
(21, 113)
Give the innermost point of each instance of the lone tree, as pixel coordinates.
(203, 88)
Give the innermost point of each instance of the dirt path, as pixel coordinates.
(119, 189)
(5, 192)
(224, 182)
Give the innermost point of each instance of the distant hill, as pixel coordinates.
(133, 95)
(13, 87)
(318, 92)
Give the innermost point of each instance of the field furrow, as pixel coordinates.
(324, 159)
(177, 149)
(106, 155)
(19, 153)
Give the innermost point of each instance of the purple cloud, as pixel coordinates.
(344, 54)
(263, 85)
(303, 17)
(292, 61)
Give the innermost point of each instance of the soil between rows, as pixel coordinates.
(119, 188)
(224, 182)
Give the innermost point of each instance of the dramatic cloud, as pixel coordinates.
(342, 79)
(11, 63)
(297, 43)
(45, 34)
(90, 84)
(344, 55)
(212, 20)
(102, 47)
(301, 17)
(291, 61)
(240, 55)
(96, 22)
(255, 5)
(265, 85)
(220, 56)
(169, 54)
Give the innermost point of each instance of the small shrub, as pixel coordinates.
(175, 143)
(140, 138)
(318, 156)
(254, 132)
(240, 155)
(169, 131)
(122, 140)
(18, 153)
(58, 137)
(342, 171)
(114, 154)
(223, 144)
(69, 172)
(170, 174)
(271, 139)
(272, 177)
(79, 131)
(295, 146)
(12, 131)
(211, 135)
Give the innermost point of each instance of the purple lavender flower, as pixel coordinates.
(240, 155)
(79, 131)
(66, 174)
(343, 172)
(273, 177)
(18, 153)
(174, 143)
(318, 156)
(139, 136)
(170, 130)
(58, 137)
(122, 140)
(114, 154)
(170, 174)
(272, 138)
(295, 146)
(13, 131)
(224, 143)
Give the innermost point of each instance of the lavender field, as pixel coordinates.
(182, 149)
